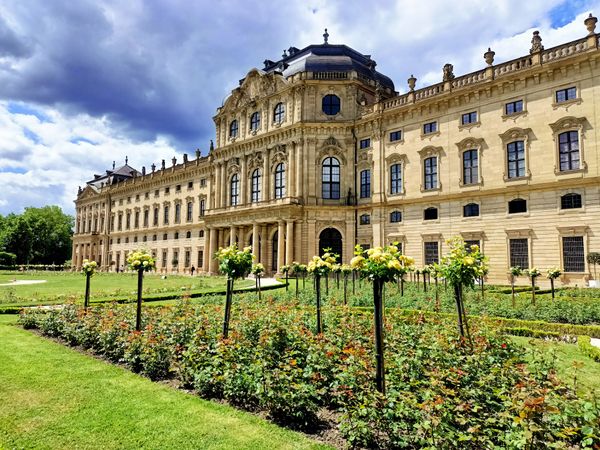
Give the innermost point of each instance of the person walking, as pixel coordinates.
(192, 270)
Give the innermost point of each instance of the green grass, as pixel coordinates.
(62, 287)
(572, 366)
(56, 398)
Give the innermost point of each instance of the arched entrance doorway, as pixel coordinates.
(331, 238)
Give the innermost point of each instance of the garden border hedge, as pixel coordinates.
(584, 343)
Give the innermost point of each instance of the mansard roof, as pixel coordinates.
(327, 58)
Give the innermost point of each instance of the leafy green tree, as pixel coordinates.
(38, 236)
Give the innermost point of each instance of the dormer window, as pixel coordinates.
(255, 121)
(233, 129)
(331, 104)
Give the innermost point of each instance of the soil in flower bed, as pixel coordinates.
(442, 392)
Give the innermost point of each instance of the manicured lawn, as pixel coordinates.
(62, 287)
(572, 366)
(54, 397)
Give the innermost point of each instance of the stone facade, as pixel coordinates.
(318, 150)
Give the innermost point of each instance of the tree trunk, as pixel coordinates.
(86, 300)
(296, 286)
(533, 290)
(379, 349)
(337, 280)
(258, 286)
(424, 282)
(459, 310)
(512, 285)
(482, 288)
(353, 282)
(345, 289)
(228, 299)
(437, 294)
(327, 285)
(552, 287)
(138, 312)
(318, 293)
(286, 282)
(402, 285)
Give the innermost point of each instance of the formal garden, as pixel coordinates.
(377, 354)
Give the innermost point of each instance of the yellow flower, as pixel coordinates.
(357, 262)
(469, 260)
(394, 264)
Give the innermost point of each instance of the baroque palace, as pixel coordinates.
(318, 150)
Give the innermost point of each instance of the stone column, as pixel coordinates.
(280, 245)
(224, 183)
(289, 242)
(264, 245)
(299, 170)
(213, 239)
(232, 233)
(243, 182)
(206, 250)
(217, 187)
(349, 241)
(291, 170)
(266, 188)
(313, 239)
(255, 242)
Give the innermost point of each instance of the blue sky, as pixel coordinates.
(83, 83)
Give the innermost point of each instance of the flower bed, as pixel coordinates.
(440, 393)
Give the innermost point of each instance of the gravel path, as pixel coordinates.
(18, 282)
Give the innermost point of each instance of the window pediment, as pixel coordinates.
(568, 123)
(396, 158)
(430, 150)
(515, 133)
(470, 143)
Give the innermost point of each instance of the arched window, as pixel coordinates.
(256, 178)
(331, 104)
(332, 239)
(430, 173)
(280, 181)
(279, 113)
(254, 121)
(395, 216)
(331, 178)
(430, 213)
(515, 155)
(570, 201)
(568, 149)
(233, 129)
(395, 179)
(471, 210)
(365, 184)
(518, 205)
(470, 167)
(235, 189)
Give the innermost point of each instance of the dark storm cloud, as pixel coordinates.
(12, 45)
(151, 68)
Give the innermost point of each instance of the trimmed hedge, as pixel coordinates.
(585, 346)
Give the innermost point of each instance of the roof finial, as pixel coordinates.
(126, 159)
(113, 165)
(284, 54)
(326, 36)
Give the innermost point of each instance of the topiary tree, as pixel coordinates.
(515, 272)
(593, 258)
(258, 270)
(319, 267)
(234, 263)
(461, 267)
(141, 261)
(553, 274)
(533, 273)
(381, 265)
(88, 268)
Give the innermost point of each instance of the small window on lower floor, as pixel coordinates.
(518, 205)
(201, 233)
(365, 219)
(154, 237)
(570, 201)
(432, 252)
(471, 210)
(519, 253)
(165, 237)
(395, 216)
(573, 254)
(188, 234)
(430, 214)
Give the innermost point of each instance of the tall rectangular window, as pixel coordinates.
(187, 259)
(155, 217)
(430, 173)
(470, 167)
(166, 215)
(202, 207)
(568, 149)
(200, 259)
(177, 212)
(573, 254)
(190, 211)
(136, 222)
(515, 155)
(365, 184)
(432, 252)
(128, 221)
(395, 179)
(146, 217)
(519, 253)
